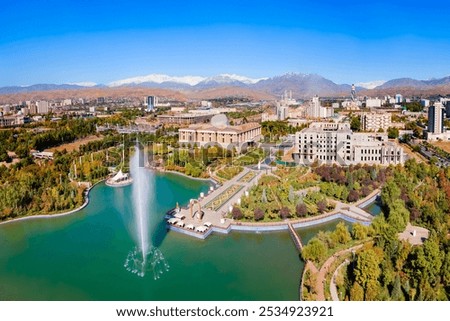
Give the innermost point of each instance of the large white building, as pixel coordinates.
(436, 118)
(42, 107)
(219, 132)
(373, 103)
(436, 128)
(375, 121)
(335, 143)
(315, 110)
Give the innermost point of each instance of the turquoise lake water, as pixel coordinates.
(81, 256)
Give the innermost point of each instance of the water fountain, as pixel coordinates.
(144, 257)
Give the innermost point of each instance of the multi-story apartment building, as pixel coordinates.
(375, 121)
(436, 129)
(334, 143)
(42, 107)
(436, 118)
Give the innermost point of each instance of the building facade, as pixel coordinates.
(184, 119)
(315, 110)
(436, 129)
(436, 118)
(373, 103)
(150, 102)
(42, 107)
(225, 136)
(335, 143)
(375, 121)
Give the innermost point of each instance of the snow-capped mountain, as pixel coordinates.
(301, 85)
(230, 78)
(370, 84)
(157, 79)
(185, 80)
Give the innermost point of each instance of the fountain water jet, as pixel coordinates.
(144, 256)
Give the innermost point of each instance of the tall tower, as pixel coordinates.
(353, 92)
(436, 118)
(151, 101)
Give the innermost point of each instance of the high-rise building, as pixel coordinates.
(398, 99)
(446, 103)
(425, 102)
(436, 118)
(282, 112)
(315, 110)
(151, 102)
(42, 107)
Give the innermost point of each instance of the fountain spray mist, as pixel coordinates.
(145, 257)
(140, 195)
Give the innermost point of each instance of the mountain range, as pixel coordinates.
(301, 85)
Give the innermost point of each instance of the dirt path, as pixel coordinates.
(74, 145)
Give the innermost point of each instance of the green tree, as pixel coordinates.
(315, 250)
(397, 293)
(398, 216)
(367, 268)
(341, 234)
(356, 292)
(359, 231)
(393, 132)
(389, 193)
(355, 123)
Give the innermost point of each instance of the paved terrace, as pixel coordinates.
(218, 202)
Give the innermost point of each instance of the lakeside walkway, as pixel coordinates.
(217, 203)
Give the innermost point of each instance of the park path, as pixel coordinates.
(322, 273)
(333, 287)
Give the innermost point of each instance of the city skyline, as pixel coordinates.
(104, 41)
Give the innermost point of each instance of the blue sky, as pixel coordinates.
(101, 41)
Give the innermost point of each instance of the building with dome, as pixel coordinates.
(220, 132)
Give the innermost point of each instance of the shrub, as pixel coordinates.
(259, 214)
(321, 206)
(285, 212)
(236, 213)
(301, 210)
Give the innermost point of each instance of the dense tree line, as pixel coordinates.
(27, 188)
(390, 269)
(274, 130)
(352, 183)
